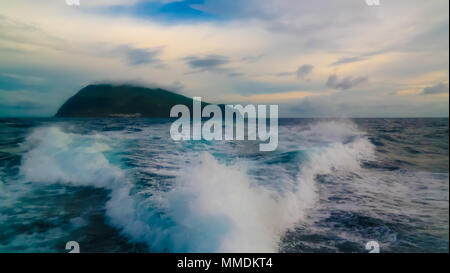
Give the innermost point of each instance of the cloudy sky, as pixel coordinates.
(321, 58)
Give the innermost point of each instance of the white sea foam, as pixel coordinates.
(213, 207)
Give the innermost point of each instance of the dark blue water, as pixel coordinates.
(122, 185)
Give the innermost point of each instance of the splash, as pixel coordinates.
(212, 207)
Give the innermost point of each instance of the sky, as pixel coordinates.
(321, 58)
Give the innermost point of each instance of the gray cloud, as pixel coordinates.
(214, 63)
(31, 105)
(33, 35)
(176, 86)
(29, 102)
(363, 104)
(13, 81)
(439, 88)
(284, 74)
(138, 56)
(252, 58)
(345, 83)
(235, 74)
(290, 15)
(358, 58)
(301, 72)
(304, 71)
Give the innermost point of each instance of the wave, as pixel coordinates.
(212, 206)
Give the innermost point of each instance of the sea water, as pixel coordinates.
(123, 185)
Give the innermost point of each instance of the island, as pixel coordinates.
(126, 101)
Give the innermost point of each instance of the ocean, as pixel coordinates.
(123, 185)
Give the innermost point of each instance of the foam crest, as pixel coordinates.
(55, 156)
(213, 207)
(333, 130)
(222, 200)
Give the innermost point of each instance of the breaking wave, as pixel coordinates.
(211, 206)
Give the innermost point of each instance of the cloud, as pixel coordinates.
(439, 88)
(247, 88)
(28, 37)
(301, 72)
(304, 71)
(138, 56)
(176, 86)
(287, 31)
(364, 104)
(23, 78)
(214, 63)
(290, 15)
(115, 3)
(358, 58)
(24, 105)
(235, 74)
(27, 102)
(253, 58)
(345, 83)
(12, 81)
(284, 74)
(280, 97)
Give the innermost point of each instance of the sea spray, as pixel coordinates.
(211, 207)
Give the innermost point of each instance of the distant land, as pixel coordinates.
(128, 101)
